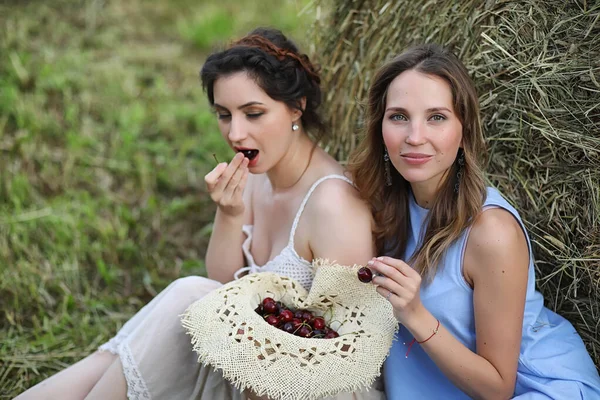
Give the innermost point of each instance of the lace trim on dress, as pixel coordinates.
(112, 346)
(136, 387)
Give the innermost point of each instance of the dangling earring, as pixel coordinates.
(295, 126)
(459, 173)
(388, 174)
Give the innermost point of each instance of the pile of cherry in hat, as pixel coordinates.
(301, 322)
(297, 322)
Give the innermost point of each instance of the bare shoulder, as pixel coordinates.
(339, 224)
(494, 229)
(496, 244)
(336, 221)
(336, 198)
(333, 190)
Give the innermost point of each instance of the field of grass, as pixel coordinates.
(105, 137)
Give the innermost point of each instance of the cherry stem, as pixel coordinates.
(341, 323)
(330, 310)
(349, 333)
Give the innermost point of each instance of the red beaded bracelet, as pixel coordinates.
(415, 339)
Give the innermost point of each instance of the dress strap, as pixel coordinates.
(305, 200)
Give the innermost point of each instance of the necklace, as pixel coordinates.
(303, 172)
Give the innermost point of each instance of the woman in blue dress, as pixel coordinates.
(459, 271)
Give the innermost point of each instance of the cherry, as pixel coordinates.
(272, 320)
(318, 323)
(249, 154)
(331, 335)
(307, 316)
(280, 307)
(304, 331)
(365, 275)
(270, 308)
(288, 327)
(296, 322)
(286, 315)
(268, 300)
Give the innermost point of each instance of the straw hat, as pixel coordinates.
(227, 334)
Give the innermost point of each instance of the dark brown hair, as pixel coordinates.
(277, 66)
(451, 211)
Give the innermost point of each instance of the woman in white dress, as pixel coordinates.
(282, 201)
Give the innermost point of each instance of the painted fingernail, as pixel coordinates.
(380, 258)
(370, 262)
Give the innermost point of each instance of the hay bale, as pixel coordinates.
(537, 70)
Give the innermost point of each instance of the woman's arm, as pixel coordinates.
(496, 262)
(227, 186)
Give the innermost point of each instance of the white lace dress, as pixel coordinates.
(157, 357)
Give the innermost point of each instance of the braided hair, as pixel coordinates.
(276, 65)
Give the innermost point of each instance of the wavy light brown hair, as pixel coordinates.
(451, 212)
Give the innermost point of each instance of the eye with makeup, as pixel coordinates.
(226, 116)
(222, 113)
(254, 114)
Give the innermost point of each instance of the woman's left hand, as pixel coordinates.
(400, 285)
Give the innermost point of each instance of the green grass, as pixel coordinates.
(105, 137)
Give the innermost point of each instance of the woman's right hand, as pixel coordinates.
(226, 183)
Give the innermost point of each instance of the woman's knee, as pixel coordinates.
(192, 287)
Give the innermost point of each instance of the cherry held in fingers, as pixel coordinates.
(365, 275)
(249, 154)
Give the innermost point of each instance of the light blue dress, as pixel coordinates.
(553, 363)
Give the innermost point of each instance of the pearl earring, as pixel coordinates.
(295, 126)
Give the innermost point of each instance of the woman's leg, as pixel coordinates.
(154, 352)
(73, 383)
(112, 385)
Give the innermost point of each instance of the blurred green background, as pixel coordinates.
(105, 137)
